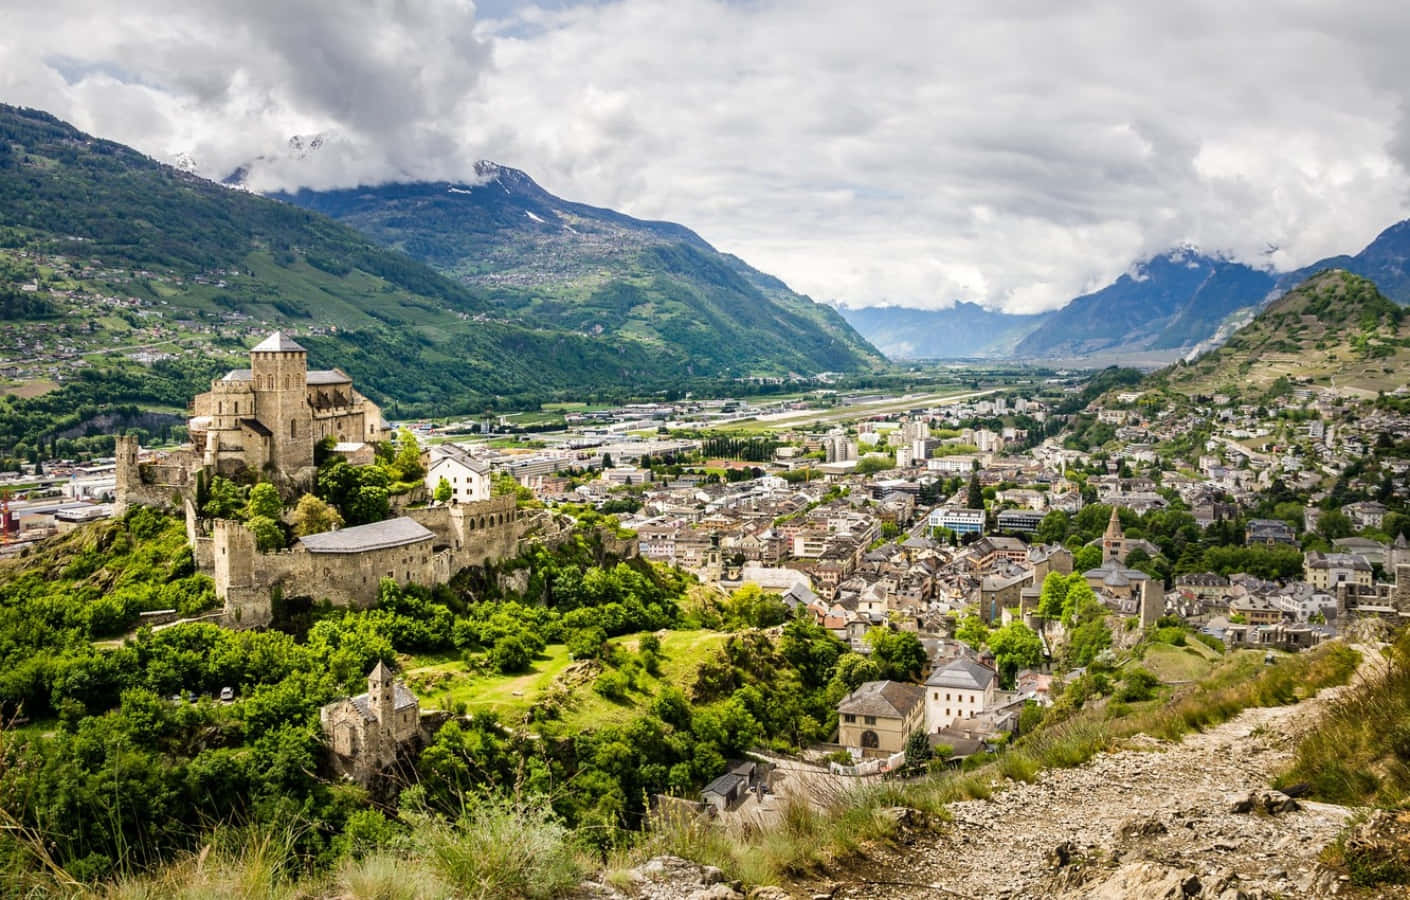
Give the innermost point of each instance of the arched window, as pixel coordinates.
(869, 740)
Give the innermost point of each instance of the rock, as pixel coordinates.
(1141, 827)
(769, 893)
(711, 875)
(1191, 886)
(1276, 802)
(1242, 803)
(717, 892)
(1062, 854)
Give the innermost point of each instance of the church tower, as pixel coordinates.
(382, 703)
(279, 368)
(1114, 541)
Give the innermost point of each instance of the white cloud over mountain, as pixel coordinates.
(1014, 154)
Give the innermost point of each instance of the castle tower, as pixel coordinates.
(1114, 541)
(127, 474)
(279, 368)
(1399, 553)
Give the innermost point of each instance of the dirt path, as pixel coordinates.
(1153, 820)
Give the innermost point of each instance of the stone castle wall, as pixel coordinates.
(465, 535)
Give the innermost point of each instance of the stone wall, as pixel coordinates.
(470, 534)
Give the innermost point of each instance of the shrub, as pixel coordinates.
(612, 685)
(509, 655)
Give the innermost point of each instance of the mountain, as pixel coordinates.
(1386, 261)
(1334, 328)
(587, 270)
(965, 330)
(103, 251)
(1169, 302)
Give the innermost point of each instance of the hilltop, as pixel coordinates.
(125, 282)
(1334, 328)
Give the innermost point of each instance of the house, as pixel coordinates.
(960, 689)
(468, 476)
(365, 732)
(1327, 570)
(1269, 531)
(724, 792)
(877, 717)
(1366, 514)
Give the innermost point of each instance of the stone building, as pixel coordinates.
(878, 716)
(273, 413)
(365, 732)
(346, 567)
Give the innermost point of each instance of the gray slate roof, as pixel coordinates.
(459, 455)
(278, 342)
(328, 376)
(239, 375)
(403, 699)
(360, 538)
(893, 699)
(965, 674)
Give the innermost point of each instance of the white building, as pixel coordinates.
(468, 476)
(960, 521)
(961, 689)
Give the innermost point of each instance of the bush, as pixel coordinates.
(1136, 685)
(612, 685)
(509, 655)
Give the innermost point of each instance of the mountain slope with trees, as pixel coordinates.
(542, 259)
(102, 247)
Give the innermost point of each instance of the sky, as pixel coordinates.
(1013, 154)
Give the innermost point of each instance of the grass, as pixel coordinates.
(1359, 753)
(447, 682)
(1178, 664)
(509, 696)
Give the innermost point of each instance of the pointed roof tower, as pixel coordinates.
(380, 674)
(278, 342)
(1113, 527)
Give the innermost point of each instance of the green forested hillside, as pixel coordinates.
(114, 268)
(567, 265)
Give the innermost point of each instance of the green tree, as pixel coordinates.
(1087, 558)
(1333, 524)
(227, 499)
(407, 462)
(509, 654)
(265, 502)
(443, 491)
(750, 607)
(917, 749)
(1050, 602)
(975, 497)
(1015, 646)
(314, 516)
(1053, 529)
(269, 534)
(899, 654)
(972, 631)
(1079, 601)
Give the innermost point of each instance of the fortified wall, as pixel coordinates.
(346, 567)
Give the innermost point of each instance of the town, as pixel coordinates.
(1010, 537)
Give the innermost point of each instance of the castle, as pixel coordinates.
(272, 414)
(365, 732)
(266, 420)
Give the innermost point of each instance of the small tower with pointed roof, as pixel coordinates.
(1114, 541)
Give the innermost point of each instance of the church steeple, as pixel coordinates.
(1114, 541)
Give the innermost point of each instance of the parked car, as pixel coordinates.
(227, 694)
(191, 696)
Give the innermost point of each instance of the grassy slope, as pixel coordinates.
(446, 683)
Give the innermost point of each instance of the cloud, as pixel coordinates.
(1011, 154)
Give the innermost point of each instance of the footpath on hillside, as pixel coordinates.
(1193, 818)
